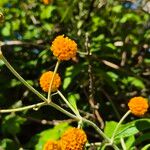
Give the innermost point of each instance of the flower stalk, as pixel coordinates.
(119, 123)
(51, 82)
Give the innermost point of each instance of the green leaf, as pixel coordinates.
(146, 147)
(6, 30)
(11, 124)
(133, 128)
(130, 17)
(129, 142)
(7, 144)
(47, 12)
(70, 73)
(109, 128)
(135, 82)
(113, 75)
(117, 8)
(142, 138)
(73, 98)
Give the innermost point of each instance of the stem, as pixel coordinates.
(70, 106)
(21, 79)
(123, 144)
(119, 123)
(93, 144)
(63, 111)
(22, 108)
(51, 82)
(101, 133)
(97, 129)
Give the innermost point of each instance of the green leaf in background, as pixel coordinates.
(51, 134)
(117, 8)
(70, 74)
(11, 124)
(113, 75)
(133, 128)
(68, 77)
(146, 147)
(130, 17)
(6, 30)
(47, 11)
(7, 144)
(134, 81)
(143, 138)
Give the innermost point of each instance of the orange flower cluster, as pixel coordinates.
(138, 106)
(46, 2)
(64, 48)
(45, 80)
(72, 139)
(52, 145)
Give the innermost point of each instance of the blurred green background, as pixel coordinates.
(113, 40)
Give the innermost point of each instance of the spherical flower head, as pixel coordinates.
(138, 106)
(45, 80)
(51, 145)
(46, 2)
(64, 48)
(73, 139)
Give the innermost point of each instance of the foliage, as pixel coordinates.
(116, 55)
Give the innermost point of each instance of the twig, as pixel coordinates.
(91, 87)
(48, 122)
(22, 108)
(118, 125)
(17, 42)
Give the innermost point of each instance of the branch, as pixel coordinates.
(23, 108)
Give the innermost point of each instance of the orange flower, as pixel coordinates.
(45, 80)
(51, 145)
(64, 48)
(46, 2)
(73, 139)
(138, 106)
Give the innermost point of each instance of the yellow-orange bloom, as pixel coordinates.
(47, 2)
(51, 145)
(138, 106)
(45, 80)
(73, 139)
(64, 48)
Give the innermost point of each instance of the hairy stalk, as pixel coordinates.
(51, 82)
(108, 140)
(97, 129)
(97, 144)
(69, 105)
(22, 108)
(119, 123)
